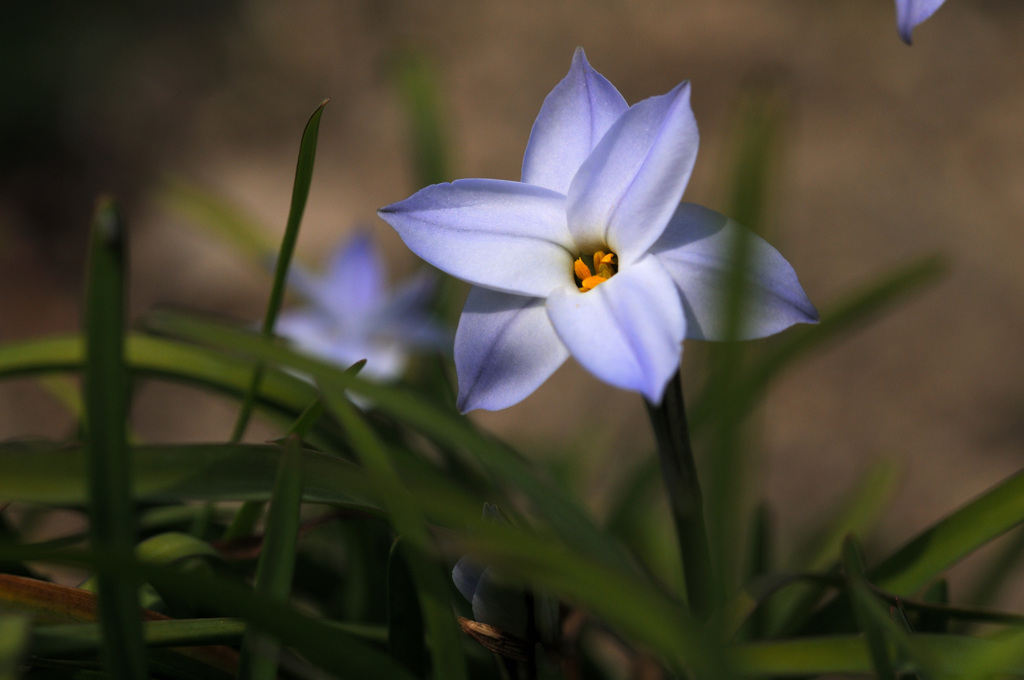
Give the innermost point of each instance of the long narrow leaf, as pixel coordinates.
(300, 193)
(15, 632)
(329, 645)
(406, 634)
(320, 642)
(167, 548)
(551, 501)
(591, 547)
(280, 394)
(894, 627)
(67, 638)
(861, 601)
(998, 572)
(219, 218)
(757, 134)
(445, 638)
(624, 601)
(855, 516)
(64, 608)
(277, 559)
(841, 318)
(111, 510)
(762, 557)
(846, 654)
(417, 83)
(172, 473)
(1005, 651)
(952, 538)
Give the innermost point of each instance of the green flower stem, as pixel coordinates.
(684, 495)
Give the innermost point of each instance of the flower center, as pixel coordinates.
(605, 266)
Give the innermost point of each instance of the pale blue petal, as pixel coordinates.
(418, 332)
(352, 316)
(696, 249)
(385, 361)
(352, 288)
(466, 575)
(505, 348)
(574, 117)
(626, 191)
(319, 335)
(354, 282)
(627, 331)
(499, 605)
(406, 317)
(502, 235)
(909, 13)
(307, 329)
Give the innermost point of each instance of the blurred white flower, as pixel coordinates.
(351, 315)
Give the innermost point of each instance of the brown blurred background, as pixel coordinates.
(889, 152)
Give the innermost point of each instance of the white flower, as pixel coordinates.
(352, 316)
(591, 254)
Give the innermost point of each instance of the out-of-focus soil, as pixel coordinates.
(889, 153)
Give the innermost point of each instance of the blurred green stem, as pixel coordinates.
(679, 471)
(105, 389)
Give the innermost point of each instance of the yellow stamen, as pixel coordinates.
(581, 270)
(606, 265)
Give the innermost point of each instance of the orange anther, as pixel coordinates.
(605, 267)
(581, 270)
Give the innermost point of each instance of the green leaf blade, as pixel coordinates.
(444, 635)
(406, 633)
(277, 558)
(952, 538)
(15, 634)
(300, 194)
(44, 473)
(112, 513)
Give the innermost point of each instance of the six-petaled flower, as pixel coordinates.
(351, 315)
(591, 254)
